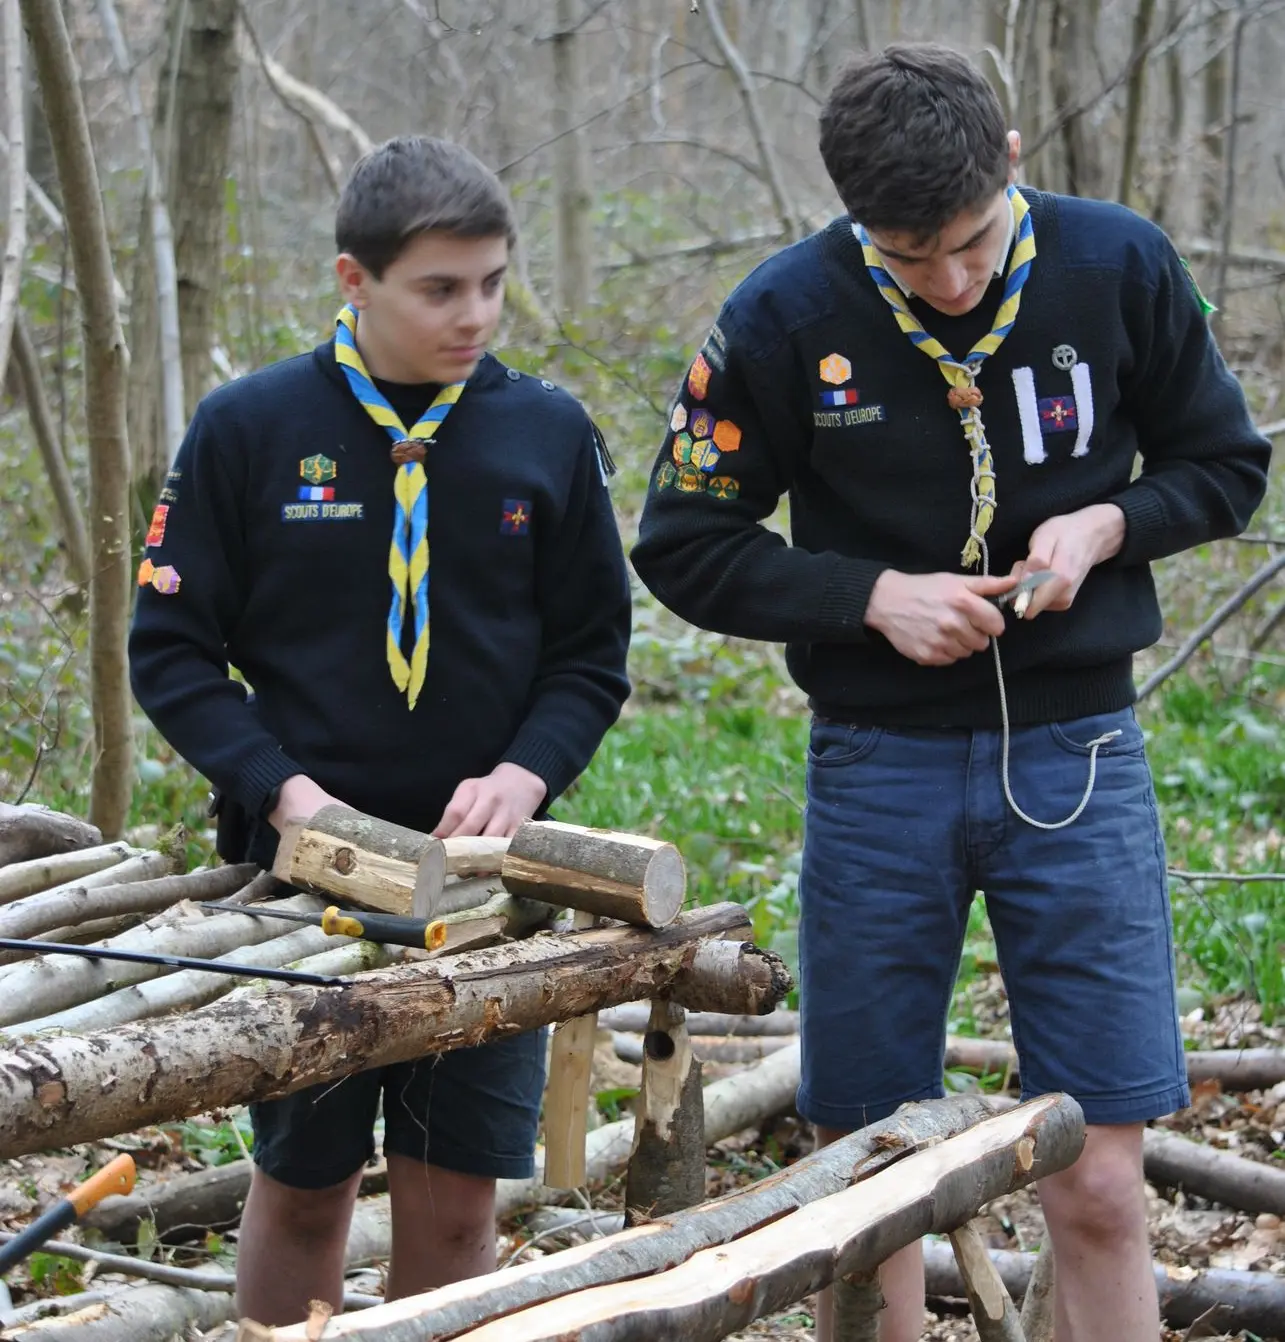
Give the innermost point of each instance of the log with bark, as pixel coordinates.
(714, 1290)
(20, 879)
(632, 1017)
(145, 1314)
(1252, 1301)
(1220, 1176)
(32, 831)
(72, 904)
(77, 1088)
(751, 1048)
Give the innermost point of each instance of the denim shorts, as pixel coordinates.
(902, 828)
(472, 1110)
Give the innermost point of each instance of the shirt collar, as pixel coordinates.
(999, 265)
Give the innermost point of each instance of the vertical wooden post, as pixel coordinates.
(858, 1302)
(566, 1097)
(667, 1164)
(1037, 1303)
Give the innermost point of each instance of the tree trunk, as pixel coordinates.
(15, 96)
(77, 1088)
(33, 831)
(675, 1239)
(1214, 87)
(573, 198)
(1135, 91)
(106, 360)
(719, 1289)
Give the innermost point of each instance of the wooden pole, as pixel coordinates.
(994, 1314)
(566, 1097)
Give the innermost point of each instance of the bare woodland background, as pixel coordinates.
(656, 149)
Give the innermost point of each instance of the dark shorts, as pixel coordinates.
(902, 828)
(472, 1110)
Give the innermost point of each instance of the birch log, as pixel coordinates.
(19, 879)
(632, 1018)
(667, 1164)
(53, 983)
(32, 831)
(145, 1314)
(72, 904)
(78, 1088)
(713, 1291)
(627, 876)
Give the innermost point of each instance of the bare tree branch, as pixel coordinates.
(1256, 583)
(790, 222)
(16, 243)
(1231, 877)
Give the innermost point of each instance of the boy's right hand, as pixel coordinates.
(936, 618)
(300, 799)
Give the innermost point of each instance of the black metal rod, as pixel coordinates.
(174, 961)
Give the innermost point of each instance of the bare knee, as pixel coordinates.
(315, 1216)
(1100, 1198)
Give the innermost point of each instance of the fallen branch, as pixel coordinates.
(629, 1047)
(72, 904)
(719, 1289)
(76, 1088)
(632, 1018)
(1252, 1301)
(19, 879)
(135, 1267)
(31, 831)
(663, 1243)
(147, 1314)
(1246, 1185)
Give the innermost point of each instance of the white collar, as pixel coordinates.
(999, 265)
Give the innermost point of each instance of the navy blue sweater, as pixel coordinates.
(807, 388)
(281, 562)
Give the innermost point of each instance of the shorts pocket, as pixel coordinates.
(837, 743)
(1076, 735)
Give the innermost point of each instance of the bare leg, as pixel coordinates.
(291, 1248)
(901, 1279)
(443, 1226)
(1096, 1215)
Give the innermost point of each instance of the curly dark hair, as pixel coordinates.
(912, 136)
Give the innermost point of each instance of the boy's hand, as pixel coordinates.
(936, 618)
(493, 806)
(1070, 544)
(300, 799)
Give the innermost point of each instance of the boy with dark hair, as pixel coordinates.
(465, 714)
(849, 372)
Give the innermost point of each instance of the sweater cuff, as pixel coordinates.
(545, 759)
(842, 615)
(260, 775)
(1144, 525)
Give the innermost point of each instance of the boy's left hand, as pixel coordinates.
(1070, 544)
(493, 806)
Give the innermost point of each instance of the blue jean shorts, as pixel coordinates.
(471, 1110)
(902, 827)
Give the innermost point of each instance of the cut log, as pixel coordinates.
(77, 1088)
(367, 863)
(674, 1239)
(716, 1290)
(32, 831)
(632, 1019)
(667, 1164)
(1247, 1185)
(1037, 1302)
(52, 983)
(144, 1314)
(733, 977)
(20, 879)
(994, 1313)
(566, 1096)
(1252, 1301)
(74, 904)
(627, 876)
(474, 856)
(629, 1047)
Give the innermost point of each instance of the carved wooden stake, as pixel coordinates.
(667, 1165)
(566, 1097)
(994, 1312)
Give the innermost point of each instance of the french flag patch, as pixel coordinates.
(846, 396)
(316, 493)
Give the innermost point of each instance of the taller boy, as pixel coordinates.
(960, 374)
(409, 551)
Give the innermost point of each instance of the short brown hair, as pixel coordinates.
(415, 184)
(912, 136)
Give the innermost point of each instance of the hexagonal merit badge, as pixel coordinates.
(702, 424)
(705, 456)
(317, 470)
(690, 480)
(724, 487)
(835, 369)
(682, 448)
(666, 475)
(727, 435)
(678, 420)
(698, 378)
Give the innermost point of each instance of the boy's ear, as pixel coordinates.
(1014, 154)
(354, 279)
